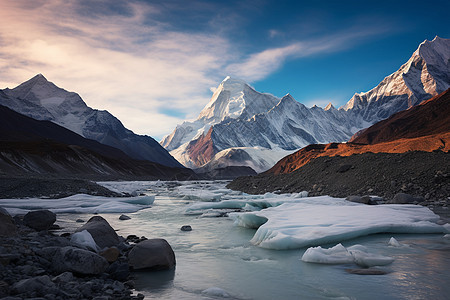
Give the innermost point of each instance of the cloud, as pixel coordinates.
(129, 57)
(259, 65)
(115, 62)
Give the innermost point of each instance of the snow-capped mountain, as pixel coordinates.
(240, 126)
(43, 100)
(424, 75)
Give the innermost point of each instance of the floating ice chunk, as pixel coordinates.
(214, 214)
(216, 292)
(84, 240)
(447, 227)
(394, 243)
(248, 220)
(201, 195)
(80, 203)
(363, 258)
(300, 195)
(297, 225)
(335, 255)
(142, 200)
(341, 255)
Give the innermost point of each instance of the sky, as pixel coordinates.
(154, 64)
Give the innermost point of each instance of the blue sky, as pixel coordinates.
(153, 63)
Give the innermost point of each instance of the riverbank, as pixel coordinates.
(423, 175)
(91, 263)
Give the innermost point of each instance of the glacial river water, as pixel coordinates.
(216, 260)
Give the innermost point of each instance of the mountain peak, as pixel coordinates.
(329, 106)
(435, 51)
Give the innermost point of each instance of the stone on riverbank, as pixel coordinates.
(7, 226)
(79, 261)
(39, 219)
(152, 254)
(103, 234)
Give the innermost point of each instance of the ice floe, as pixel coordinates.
(340, 255)
(297, 225)
(80, 203)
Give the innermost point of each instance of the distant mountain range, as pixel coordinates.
(238, 131)
(242, 127)
(42, 100)
(425, 127)
(42, 148)
(407, 152)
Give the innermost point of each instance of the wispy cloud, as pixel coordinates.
(259, 65)
(119, 62)
(126, 56)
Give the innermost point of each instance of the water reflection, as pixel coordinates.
(154, 281)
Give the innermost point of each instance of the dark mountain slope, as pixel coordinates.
(41, 148)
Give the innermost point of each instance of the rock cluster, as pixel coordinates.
(35, 263)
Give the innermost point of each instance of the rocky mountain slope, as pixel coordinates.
(42, 100)
(241, 126)
(30, 147)
(408, 152)
(425, 127)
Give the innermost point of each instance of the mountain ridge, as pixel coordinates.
(31, 147)
(288, 125)
(43, 100)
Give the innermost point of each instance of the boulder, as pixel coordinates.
(119, 270)
(124, 217)
(344, 168)
(7, 226)
(39, 219)
(102, 233)
(76, 260)
(403, 198)
(154, 254)
(63, 278)
(361, 199)
(355, 198)
(39, 285)
(186, 228)
(110, 254)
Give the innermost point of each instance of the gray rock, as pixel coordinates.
(63, 277)
(344, 168)
(79, 261)
(110, 254)
(7, 226)
(39, 219)
(119, 271)
(402, 198)
(354, 198)
(186, 228)
(39, 285)
(103, 234)
(152, 254)
(124, 217)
